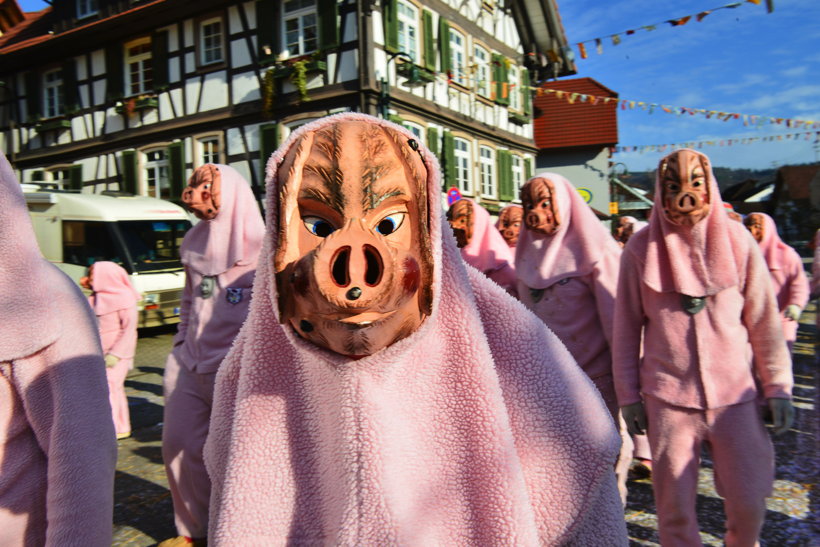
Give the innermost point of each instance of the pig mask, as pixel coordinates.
(460, 217)
(685, 187)
(201, 196)
(353, 264)
(541, 211)
(509, 223)
(755, 224)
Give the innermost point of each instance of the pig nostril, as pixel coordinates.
(373, 273)
(339, 267)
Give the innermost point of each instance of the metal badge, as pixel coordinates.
(234, 295)
(692, 304)
(206, 287)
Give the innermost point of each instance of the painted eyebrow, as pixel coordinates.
(317, 195)
(331, 178)
(372, 199)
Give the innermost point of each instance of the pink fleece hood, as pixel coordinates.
(573, 250)
(112, 289)
(232, 238)
(487, 251)
(441, 438)
(694, 260)
(776, 253)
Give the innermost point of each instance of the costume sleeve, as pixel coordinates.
(762, 320)
(604, 522)
(126, 345)
(798, 282)
(815, 268)
(626, 332)
(605, 286)
(184, 309)
(64, 394)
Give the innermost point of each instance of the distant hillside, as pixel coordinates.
(725, 176)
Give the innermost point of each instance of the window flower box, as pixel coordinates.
(416, 75)
(133, 104)
(54, 124)
(520, 119)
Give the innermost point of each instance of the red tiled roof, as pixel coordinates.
(22, 31)
(559, 124)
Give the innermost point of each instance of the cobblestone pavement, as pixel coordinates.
(143, 513)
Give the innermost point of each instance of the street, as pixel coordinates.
(143, 513)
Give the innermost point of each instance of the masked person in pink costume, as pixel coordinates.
(695, 285)
(380, 392)
(114, 302)
(481, 244)
(509, 224)
(219, 255)
(791, 287)
(58, 450)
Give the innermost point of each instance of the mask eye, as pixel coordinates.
(318, 226)
(672, 186)
(390, 223)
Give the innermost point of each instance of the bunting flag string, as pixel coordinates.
(747, 119)
(642, 149)
(676, 22)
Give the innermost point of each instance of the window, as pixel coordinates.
(157, 180)
(517, 176)
(86, 8)
(416, 130)
(53, 93)
(408, 21)
(138, 73)
(461, 152)
(210, 41)
(513, 88)
(300, 25)
(482, 71)
(61, 177)
(209, 150)
(458, 57)
(486, 163)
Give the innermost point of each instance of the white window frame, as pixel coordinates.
(481, 58)
(86, 8)
(53, 93)
(145, 81)
(458, 57)
(416, 130)
(514, 88)
(304, 10)
(156, 170)
(209, 43)
(408, 29)
(517, 166)
(58, 175)
(486, 170)
(205, 150)
(464, 161)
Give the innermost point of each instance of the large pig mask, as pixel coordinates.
(685, 187)
(509, 223)
(202, 195)
(353, 264)
(541, 211)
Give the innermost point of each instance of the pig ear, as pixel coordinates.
(214, 176)
(556, 210)
(289, 180)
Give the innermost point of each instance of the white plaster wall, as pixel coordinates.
(192, 87)
(215, 91)
(176, 98)
(245, 87)
(240, 56)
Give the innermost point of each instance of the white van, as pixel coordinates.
(140, 234)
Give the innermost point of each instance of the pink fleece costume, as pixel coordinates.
(220, 261)
(114, 302)
(475, 429)
(694, 375)
(488, 252)
(58, 450)
(791, 287)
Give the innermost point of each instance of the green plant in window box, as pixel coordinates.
(297, 70)
(133, 104)
(54, 124)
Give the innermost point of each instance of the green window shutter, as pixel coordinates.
(38, 176)
(114, 66)
(500, 75)
(328, 24)
(129, 172)
(267, 29)
(432, 141)
(34, 103)
(75, 177)
(268, 143)
(444, 44)
(429, 41)
(70, 93)
(527, 169)
(449, 156)
(176, 168)
(505, 190)
(526, 96)
(159, 59)
(391, 25)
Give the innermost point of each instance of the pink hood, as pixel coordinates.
(232, 238)
(112, 289)
(697, 260)
(777, 253)
(487, 250)
(580, 242)
(477, 428)
(636, 224)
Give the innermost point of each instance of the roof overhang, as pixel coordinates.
(542, 36)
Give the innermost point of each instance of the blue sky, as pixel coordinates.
(742, 60)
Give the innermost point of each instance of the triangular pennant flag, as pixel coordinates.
(755, 2)
(649, 28)
(616, 39)
(598, 46)
(700, 16)
(582, 50)
(630, 32)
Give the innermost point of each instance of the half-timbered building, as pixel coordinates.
(132, 95)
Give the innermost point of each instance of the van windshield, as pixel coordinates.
(153, 244)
